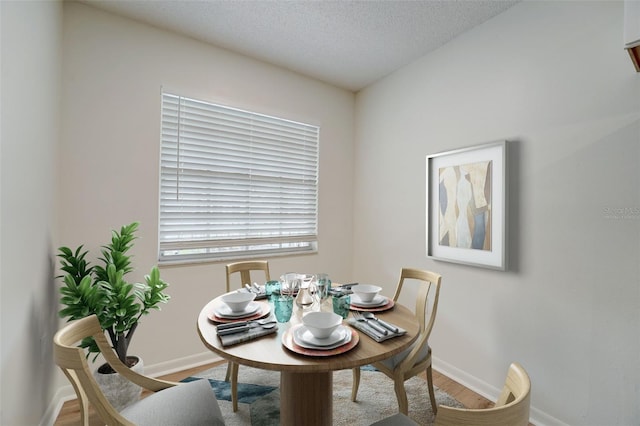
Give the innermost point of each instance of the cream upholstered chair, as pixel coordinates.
(192, 403)
(417, 357)
(511, 408)
(244, 269)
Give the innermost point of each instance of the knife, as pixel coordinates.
(233, 330)
(376, 327)
(244, 326)
(386, 325)
(371, 330)
(235, 324)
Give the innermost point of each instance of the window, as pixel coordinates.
(235, 183)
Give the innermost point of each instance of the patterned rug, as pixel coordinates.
(259, 397)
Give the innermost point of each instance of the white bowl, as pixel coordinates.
(321, 324)
(238, 301)
(366, 292)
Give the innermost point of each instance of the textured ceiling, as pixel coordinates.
(349, 44)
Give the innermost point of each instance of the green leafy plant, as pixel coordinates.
(103, 290)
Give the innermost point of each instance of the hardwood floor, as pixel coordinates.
(70, 415)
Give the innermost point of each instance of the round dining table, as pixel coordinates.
(306, 382)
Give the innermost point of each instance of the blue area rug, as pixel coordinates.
(259, 397)
(247, 393)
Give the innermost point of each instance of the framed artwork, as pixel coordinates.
(466, 206)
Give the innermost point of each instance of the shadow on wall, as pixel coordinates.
(514, 201)
(579, 288)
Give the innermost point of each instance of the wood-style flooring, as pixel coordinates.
(70, 415)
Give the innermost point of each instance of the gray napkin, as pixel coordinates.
(371, 332)
(245, 336)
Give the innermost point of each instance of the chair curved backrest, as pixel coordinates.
(511, 408)
(426, 307)
(72, 360)
(245, 268)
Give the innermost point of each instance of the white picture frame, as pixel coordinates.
(466, 209)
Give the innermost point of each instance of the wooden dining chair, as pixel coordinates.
(192, 403)
(417, 357)
(511, 408)
(244, 269)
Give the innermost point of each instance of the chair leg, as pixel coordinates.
(234, 386)
(228, 375)
(401, 395)
(432, 395)
(356, 384)
(84, 410)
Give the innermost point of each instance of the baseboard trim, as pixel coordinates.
(537, 416)
(66, 393)
(471, 382)
(185, 363)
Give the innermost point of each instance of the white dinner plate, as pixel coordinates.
(303, 337)
(376, 302)
(224, 311)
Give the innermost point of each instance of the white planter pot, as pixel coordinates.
(119, 391)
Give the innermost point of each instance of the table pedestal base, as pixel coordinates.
(305, 396)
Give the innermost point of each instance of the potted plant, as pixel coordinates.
(102, 290)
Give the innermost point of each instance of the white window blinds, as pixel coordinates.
(235, 183)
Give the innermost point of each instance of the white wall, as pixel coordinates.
(551, 77)
(113, 71)
(30, 99)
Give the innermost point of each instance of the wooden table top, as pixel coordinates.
(268, 352)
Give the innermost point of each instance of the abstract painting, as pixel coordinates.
(464, 198)
(466, 205)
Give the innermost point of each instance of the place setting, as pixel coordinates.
(320, 334)
(240, 318)
(363, 301)
(366, 297)
(233, 307)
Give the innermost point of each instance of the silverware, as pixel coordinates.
(253, 288)
(359, 317)
(224, 329)
(371, 316)
(242, 323)
(342, 289)
(346, 286)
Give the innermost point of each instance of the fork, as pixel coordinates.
(359, 317)
(371, 316)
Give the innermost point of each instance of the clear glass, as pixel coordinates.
(323, 284)
(289, 283)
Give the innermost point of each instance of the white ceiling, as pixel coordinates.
(347, 43)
